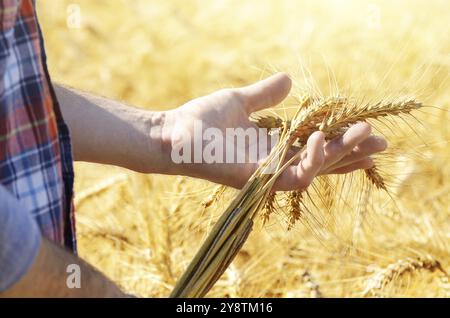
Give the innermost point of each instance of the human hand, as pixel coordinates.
(230, 108)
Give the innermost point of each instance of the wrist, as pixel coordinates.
(157, 139)
(170, 130)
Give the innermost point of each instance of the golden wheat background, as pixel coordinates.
(142, 231)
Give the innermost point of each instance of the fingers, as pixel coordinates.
(301, 176)
(341, 155)
(368, 147)
(365, 163)
(266, 93)
(342, 146)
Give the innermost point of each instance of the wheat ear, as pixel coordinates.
(377, 282)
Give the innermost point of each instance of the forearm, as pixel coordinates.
(48, 277)
(109, 132)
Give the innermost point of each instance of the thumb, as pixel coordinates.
(266, 93)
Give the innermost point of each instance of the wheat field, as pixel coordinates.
(143, 230)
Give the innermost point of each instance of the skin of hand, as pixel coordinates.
(232, 107)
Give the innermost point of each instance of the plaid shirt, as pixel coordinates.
(35, 152)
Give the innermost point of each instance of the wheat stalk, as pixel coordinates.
(377, 282)
(100, 187)
(269, 207)
(214, 196)
(268, 122)
(375, 178)
(295, 211)
(334, 115)
(313, 287)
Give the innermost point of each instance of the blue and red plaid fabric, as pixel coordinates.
(35, 152)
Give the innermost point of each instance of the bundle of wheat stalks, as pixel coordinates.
(333, 116)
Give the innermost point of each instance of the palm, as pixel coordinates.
(220, 110)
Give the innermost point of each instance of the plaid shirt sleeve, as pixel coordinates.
(19, 240)
(35, 150)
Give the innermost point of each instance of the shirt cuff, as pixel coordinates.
(20, 240)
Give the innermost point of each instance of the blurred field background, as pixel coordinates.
(142, 231)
